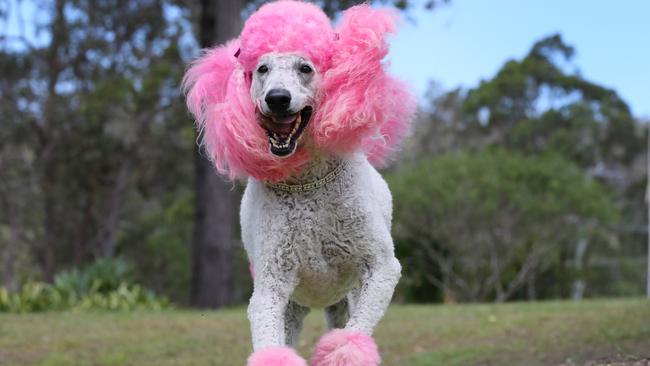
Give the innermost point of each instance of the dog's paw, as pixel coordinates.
(342, 347)
(276, 356)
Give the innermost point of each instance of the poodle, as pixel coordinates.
(304, 111)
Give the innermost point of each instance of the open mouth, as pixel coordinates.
(284, 131)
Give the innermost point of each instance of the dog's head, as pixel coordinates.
(292, 84)
(284, 89)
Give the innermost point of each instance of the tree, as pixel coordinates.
(486, 226)
(84, 114)
(539, 105)
(536, 105)
(216, 202)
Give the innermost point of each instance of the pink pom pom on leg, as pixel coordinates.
(276, 356)
(342, 347)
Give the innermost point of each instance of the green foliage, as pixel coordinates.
(495, 178)
(557, 134)
(94, 130)
(482, 225)
(104, 284)
(166, 231)
(34, 296)
(39, 296)
(536, 105)
(124, 297)
(96, 151)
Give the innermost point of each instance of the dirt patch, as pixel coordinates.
(617, 361)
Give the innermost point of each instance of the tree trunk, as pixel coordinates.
(50, 170)
(578, 289)
(8, 252)
(647, 199)
(216, 200)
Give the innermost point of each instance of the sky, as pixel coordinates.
(468, 40)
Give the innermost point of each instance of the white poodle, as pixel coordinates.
(300, 109)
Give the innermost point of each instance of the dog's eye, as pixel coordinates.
(263, 69)
(305, 69)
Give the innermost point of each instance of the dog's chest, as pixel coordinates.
(331, 248)
(326, 230)
(327, 237)
(326, 234)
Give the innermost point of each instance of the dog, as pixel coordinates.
(302, 111)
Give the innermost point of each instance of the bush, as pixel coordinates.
(105, 284)
(491, 224)
(33, 296)
(105, 275)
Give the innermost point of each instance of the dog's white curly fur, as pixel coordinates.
(330, 247)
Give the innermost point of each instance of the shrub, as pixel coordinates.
(489, 225)
(105, 284)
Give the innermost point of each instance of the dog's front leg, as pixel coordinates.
(267, 306)
(273, 285)
(354, 345)
(373, 296)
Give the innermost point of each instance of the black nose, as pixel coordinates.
(278, 100)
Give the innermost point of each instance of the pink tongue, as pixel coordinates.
(283, 131)
(284, 120)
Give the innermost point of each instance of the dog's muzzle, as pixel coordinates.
(284, 131)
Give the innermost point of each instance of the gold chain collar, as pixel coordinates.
(311, 185)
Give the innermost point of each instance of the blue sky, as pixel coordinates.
(468, 40)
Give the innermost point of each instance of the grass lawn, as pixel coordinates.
(545, 333)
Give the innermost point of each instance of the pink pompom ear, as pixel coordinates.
(206, 79)
(276, 356)
(364, 106)
(400, 106)
(362, 34)
(342, 347)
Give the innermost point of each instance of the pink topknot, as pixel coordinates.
(287, 26)
(361, 108)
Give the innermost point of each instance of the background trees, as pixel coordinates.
(570, 159)
(495, 225)
(530, 185)
(84, 116)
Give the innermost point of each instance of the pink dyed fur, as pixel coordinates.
(288, 26)
(360, 106)
(276, 356)
(342, 347)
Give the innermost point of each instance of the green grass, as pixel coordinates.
(545, 333)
